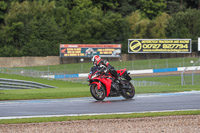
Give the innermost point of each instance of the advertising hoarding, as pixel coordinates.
(159, 46)
(89, 50)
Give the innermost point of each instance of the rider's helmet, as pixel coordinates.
(96, 60)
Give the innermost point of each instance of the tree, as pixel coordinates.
(193, 4)
(31, 28)
(138, 25)
(125, 7)
(152, 8)
(174, 6)
(83, 23)
(3, 9)
(106, 5)
(141, 27)
(157, 27)
(185, 25)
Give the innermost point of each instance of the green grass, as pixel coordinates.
(174, 81)
(64, 89)
(67, 89)
(130, 65)
(166, 89)
(113, 116)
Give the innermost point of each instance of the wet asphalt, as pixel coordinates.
(88, 105)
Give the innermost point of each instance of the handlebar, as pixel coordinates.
(102, 70)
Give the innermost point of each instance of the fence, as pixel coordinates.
(191, 75)
(49, 75)
(25, 72)
(129, 65)
(148, 83)
(134, 82)
(85, 67)
(56, 60)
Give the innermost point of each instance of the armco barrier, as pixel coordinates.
(20, 84)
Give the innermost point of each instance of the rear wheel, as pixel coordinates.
(97, 94)
(128, 93)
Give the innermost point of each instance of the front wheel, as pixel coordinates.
(97, 94)
(128, 93)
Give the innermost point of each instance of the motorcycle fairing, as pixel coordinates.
(122, 71)
(98, 84)
(107, 82)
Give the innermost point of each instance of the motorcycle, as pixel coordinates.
(103, 84)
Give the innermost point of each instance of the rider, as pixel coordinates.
(97, 61)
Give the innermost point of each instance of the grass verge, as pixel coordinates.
(67, 89)
(87, 117)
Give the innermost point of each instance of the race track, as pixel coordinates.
(89, 106)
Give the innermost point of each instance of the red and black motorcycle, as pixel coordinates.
(103, 84)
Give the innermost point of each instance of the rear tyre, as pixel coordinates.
(128, 93)
(97, 94)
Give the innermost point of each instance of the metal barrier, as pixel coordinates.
(148, 83)
(134, 82)
(191, 75)
(6, 84)
(72, 77)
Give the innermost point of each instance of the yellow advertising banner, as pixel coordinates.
(159, 46)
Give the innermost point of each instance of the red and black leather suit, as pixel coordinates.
(108, 67)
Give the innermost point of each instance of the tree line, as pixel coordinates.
(37, 27)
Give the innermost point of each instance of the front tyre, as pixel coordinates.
(128, 93)
(97, 94)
